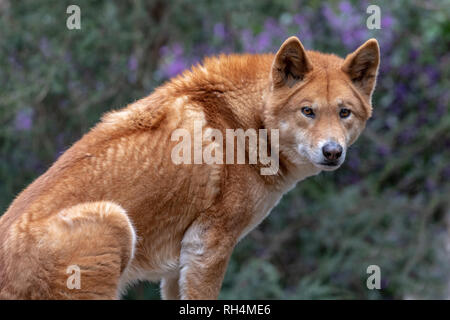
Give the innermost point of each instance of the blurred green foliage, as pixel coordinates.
(388, 205)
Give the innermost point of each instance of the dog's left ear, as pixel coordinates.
(290, 64)
(362, 67)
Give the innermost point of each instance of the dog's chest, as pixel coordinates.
(266, 200)
(263, 206)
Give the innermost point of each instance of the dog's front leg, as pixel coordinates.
(170, 289)
(205, 252)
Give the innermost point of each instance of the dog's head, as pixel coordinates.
(320, 102)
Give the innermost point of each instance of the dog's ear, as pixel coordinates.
(362, 67)
(290, 64)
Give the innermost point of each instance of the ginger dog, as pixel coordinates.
(116, 206)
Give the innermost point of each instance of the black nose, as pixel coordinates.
(332, 151)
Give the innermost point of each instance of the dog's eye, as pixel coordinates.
(307, 111)
(344, 113)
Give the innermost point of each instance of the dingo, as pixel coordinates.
(117, 207)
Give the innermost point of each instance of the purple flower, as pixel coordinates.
(23, 120)
(219, 31)
(414, 54)
(174, 68)
(441, 109)
(346, 7)
(443, 103)
(44, 46)
(430, 185)
(407, 135)
(387, 21)
(299, 19)
(60, 145)
(331, 17)
(263, 42)
(177, 49)
(64, 103)
(164, 50)
(354, 162)
(432, 74)
(247, 40)
(404, 70)
(272, 27)
(401, 92)
(67, 57)
(446, 172)
(132, 63)
(383, 150)
(174, 60)
(12, 59)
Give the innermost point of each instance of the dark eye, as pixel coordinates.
(344, 113)
(307, 111)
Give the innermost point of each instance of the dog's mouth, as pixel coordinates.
(329, 165)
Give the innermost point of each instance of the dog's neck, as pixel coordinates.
(237, 87)
(249, 109)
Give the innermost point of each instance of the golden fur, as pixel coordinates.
(115, 204)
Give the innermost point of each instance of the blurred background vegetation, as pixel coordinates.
(388, 205)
